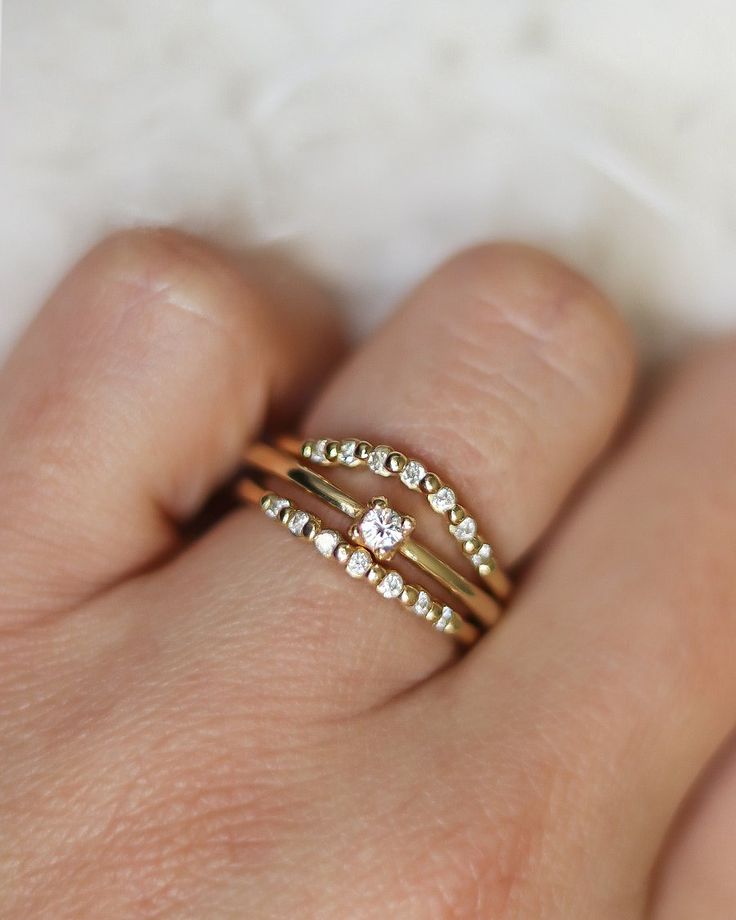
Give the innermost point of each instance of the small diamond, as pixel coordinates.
(424, 602)
(359, 563)
(377, 460)
(444, 620)
(318, 452)
(297, 522)
(465, 530)
(346, 453)
(276, 505)
(443, 499)
(483, 555)
(326, 541)
(381, 529)
(412, 474)
(391, 585)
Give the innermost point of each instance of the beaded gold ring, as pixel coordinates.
(379, 529)
(358, 562)
(413, 474)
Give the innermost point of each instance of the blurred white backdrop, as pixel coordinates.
(370, 138)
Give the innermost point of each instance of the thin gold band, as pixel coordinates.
(385, 461)
(331, 543)
(269, 460)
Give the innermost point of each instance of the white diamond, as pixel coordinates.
(424, 602)
(444, 620)
(297, 522)
(318, 454)
(412, 474)
(276, 505)
(380, 529)
(326, 541)
(443, 499)
(359, 563)
(346, 453)
(377, 460)
(465, 530)
(391, 585)
(483, 555)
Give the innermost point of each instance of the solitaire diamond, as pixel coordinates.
(465, 530)
(346, 453)
(326, 541)
(483, 555)
(297, 522)
(443, 499)
(377, 460)
(359, 563)
(412, 474)
(424, 602)
(391, 585)
(381, 529)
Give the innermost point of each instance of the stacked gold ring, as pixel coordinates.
(378, 531)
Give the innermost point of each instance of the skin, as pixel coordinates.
(230, 728)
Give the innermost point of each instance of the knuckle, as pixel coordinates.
(165, 267)
(523, 295)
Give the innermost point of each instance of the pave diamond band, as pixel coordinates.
(378, 528)
(359, 563)
(385, 461)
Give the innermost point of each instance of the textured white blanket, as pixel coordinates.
(370, 138)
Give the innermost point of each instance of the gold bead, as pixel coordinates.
(266, 501)
(376, 574)
(486, 568)
(471, 546)
(342, 552)
(285, 514)
(311, 529)
(457, 514)
(307, 448)
(435, 612)
(332, 449)
(409, 595)
(362, 450)
(430, 484)
(396, 462)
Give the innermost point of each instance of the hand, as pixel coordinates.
(231, 728)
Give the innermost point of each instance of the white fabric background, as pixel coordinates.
(370, 138)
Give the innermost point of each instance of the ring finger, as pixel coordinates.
(506, 373)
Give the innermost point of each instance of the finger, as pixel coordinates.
(623, 643)
(507, 373)
(127, 401)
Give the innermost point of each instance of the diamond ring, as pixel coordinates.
(380, 529)
(359, 562)
(385, 461)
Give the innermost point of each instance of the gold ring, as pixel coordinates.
(385, 461)
(359, 562)
(381, 530)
